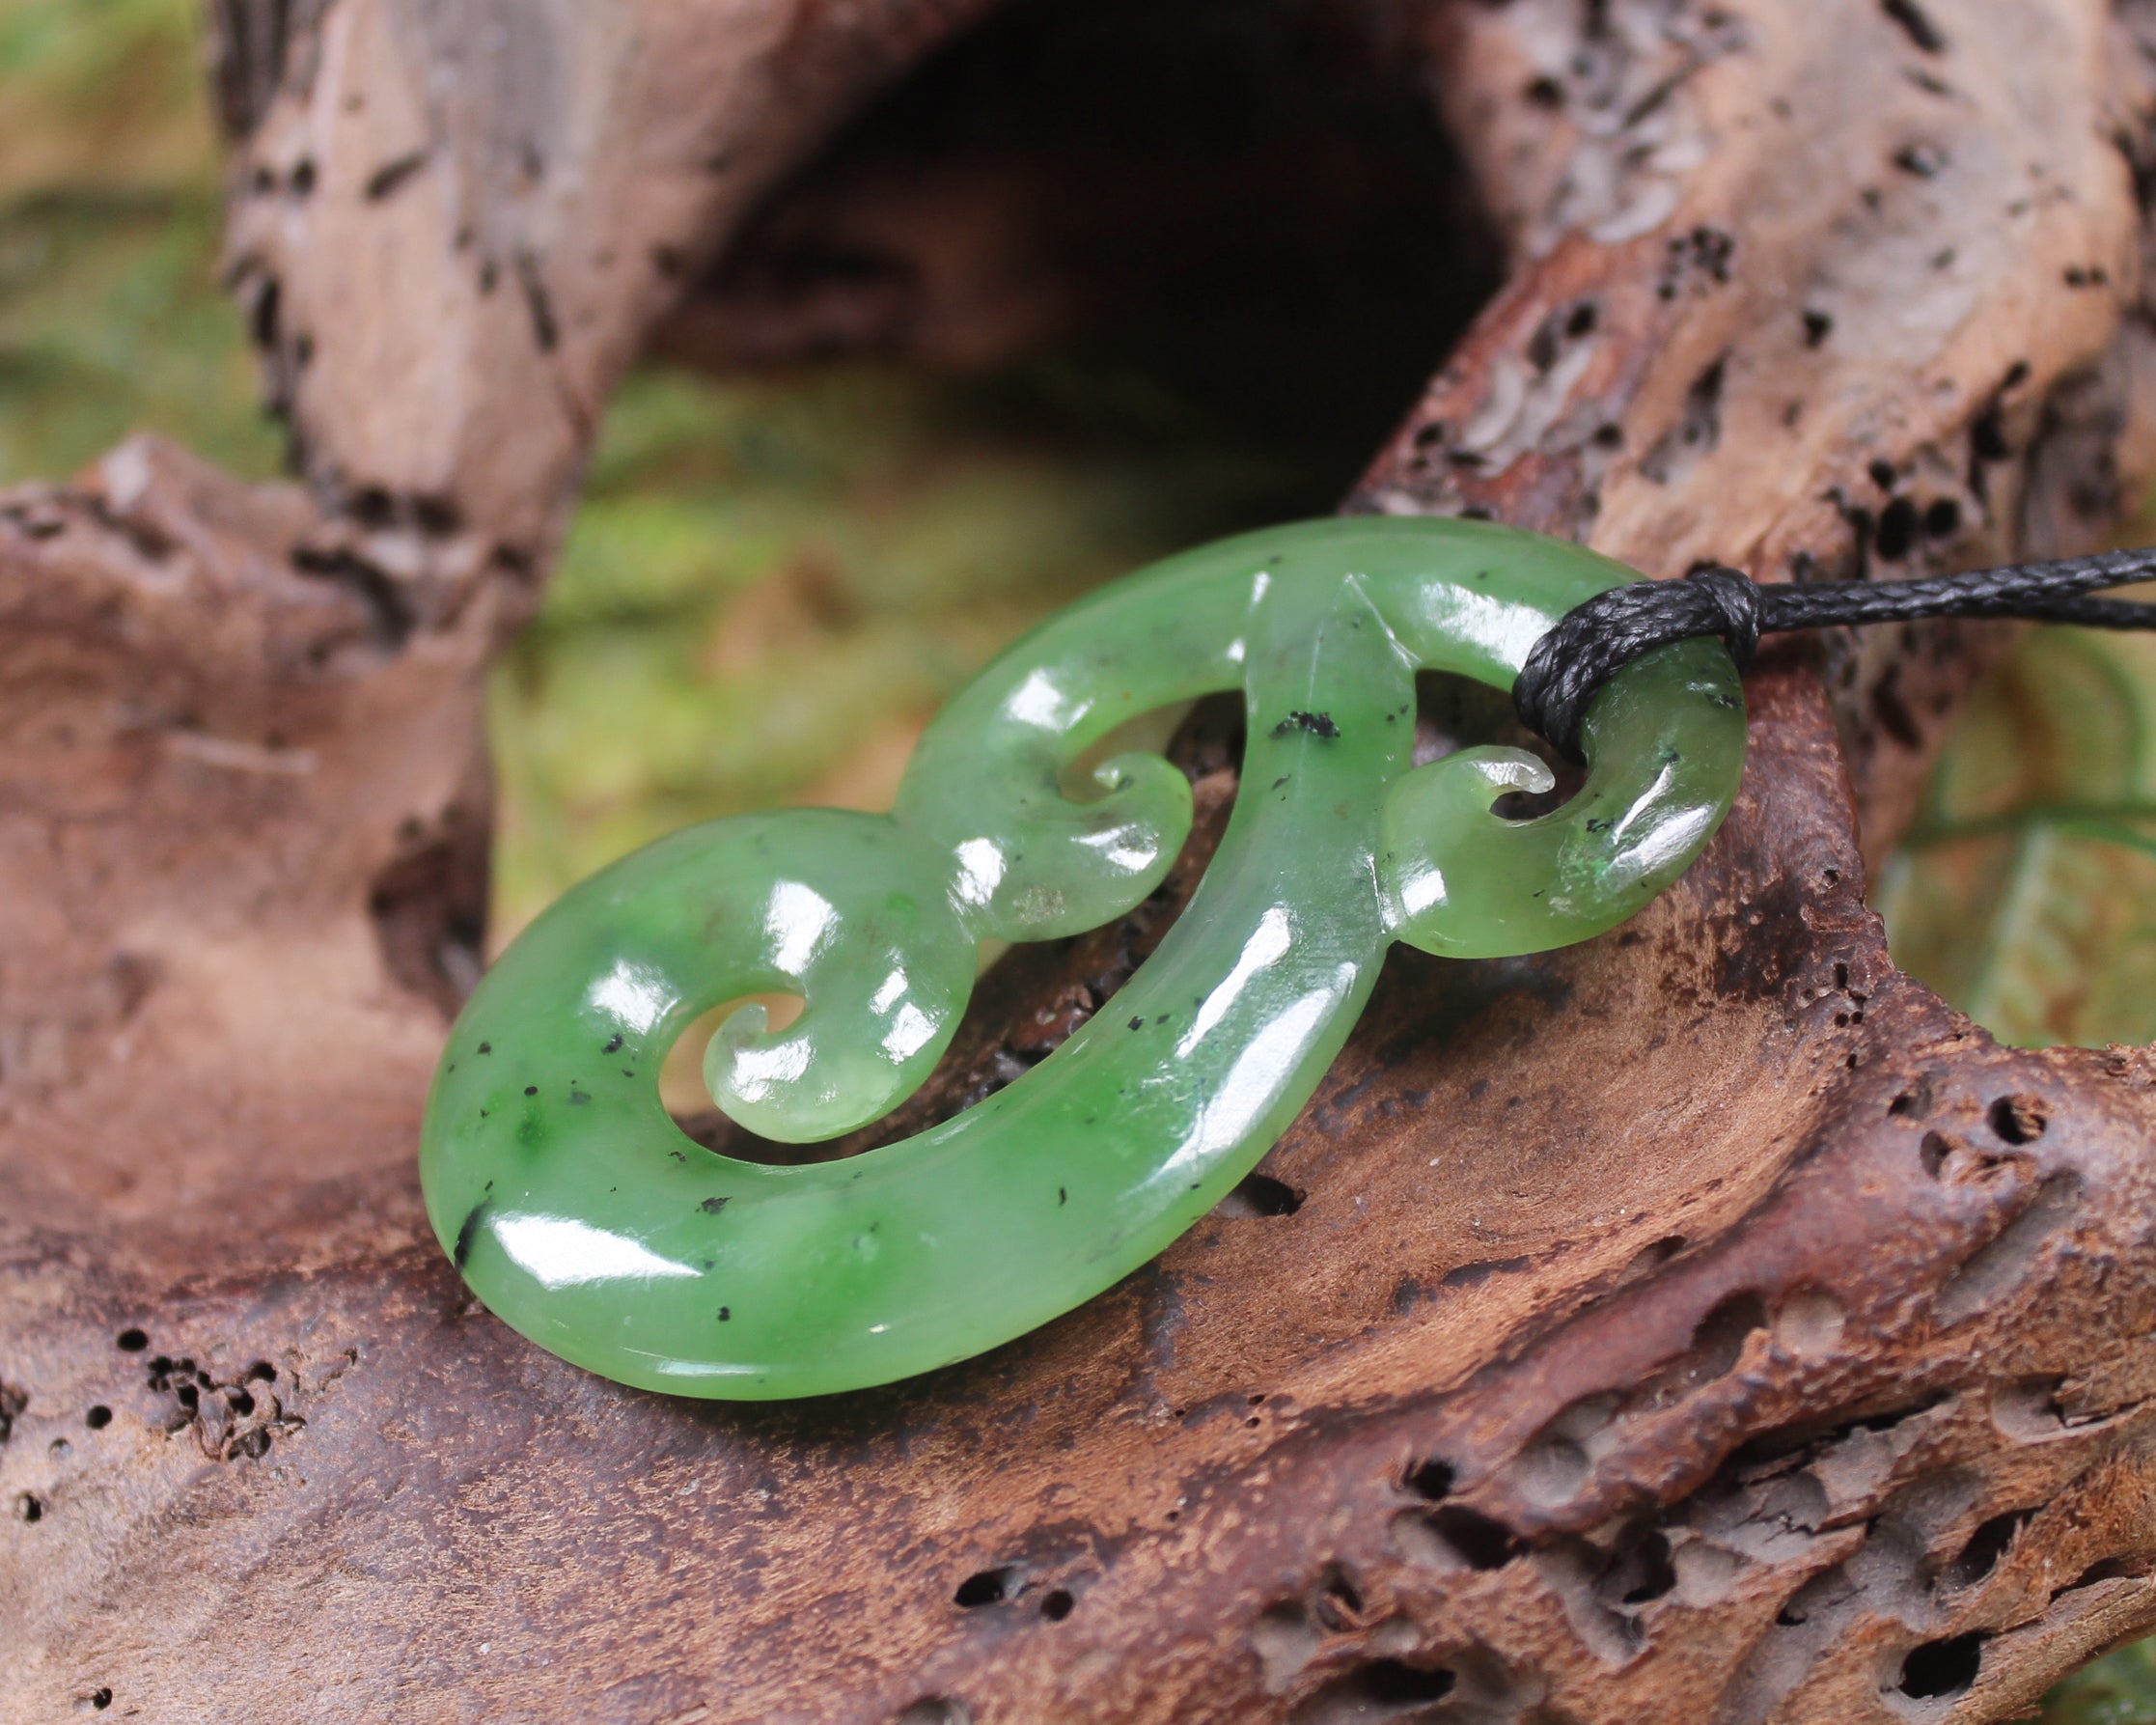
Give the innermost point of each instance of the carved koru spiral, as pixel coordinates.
(583, 1216)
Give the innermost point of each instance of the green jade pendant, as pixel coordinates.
(585, 1219)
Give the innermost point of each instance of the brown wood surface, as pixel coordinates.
(1702, 1324)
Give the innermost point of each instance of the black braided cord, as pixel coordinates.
(1593, 641)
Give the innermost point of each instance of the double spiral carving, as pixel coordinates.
(583, 1216)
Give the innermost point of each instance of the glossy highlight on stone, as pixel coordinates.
(585, 1219)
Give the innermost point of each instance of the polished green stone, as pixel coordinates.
(585, 1219)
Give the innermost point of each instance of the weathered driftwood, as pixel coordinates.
(1700, 1325)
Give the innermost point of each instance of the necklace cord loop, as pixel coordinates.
(1590, 643)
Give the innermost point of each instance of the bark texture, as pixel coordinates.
(1703, 1324)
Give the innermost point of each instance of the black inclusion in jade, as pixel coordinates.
(582, 1215)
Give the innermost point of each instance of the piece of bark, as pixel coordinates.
(452, 226)
(1700, 1324)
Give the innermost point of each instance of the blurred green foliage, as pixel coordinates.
(101, 95)
(110, 322)
(772, 583)
(2026, 890)
(110, 317)
(2119, 1689)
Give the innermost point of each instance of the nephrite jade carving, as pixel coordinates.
(584, 1217)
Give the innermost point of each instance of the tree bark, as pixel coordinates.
(1700, 1323)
